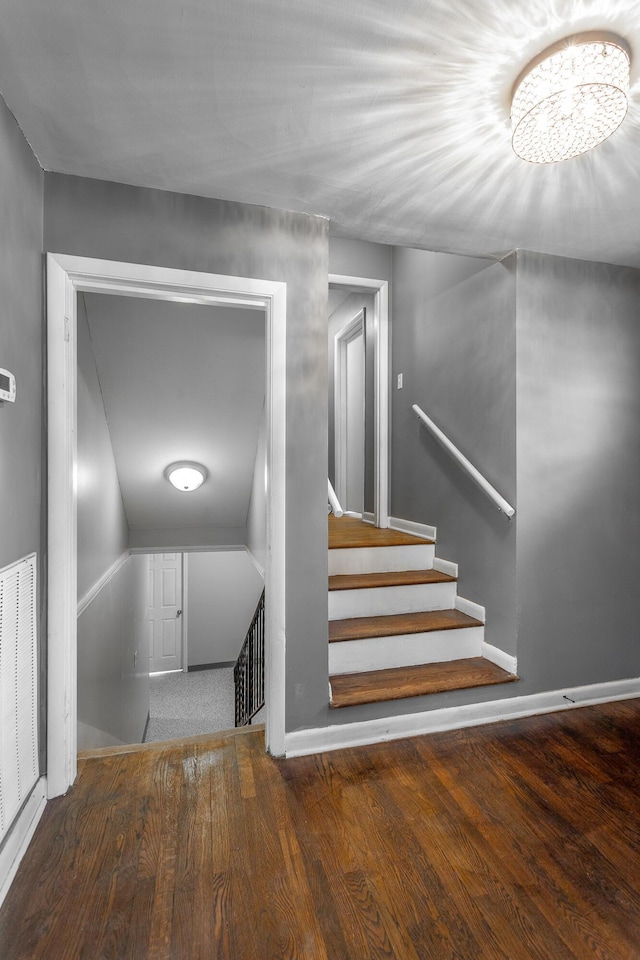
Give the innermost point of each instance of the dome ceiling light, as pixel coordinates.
(185, 475)
(570, 98)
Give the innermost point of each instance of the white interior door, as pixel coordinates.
(349, 378)
(355, 423)
(165, 612)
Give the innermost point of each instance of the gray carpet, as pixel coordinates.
(186, 704)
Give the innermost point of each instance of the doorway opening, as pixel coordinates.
(66, 277)
(359, 395)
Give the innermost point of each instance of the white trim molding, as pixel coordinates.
(500, 658)
(20, 834)
(300, 743)
(93, 591)
(422, 530)
(445, 566)
(471, 609)
(66, 276)
(202, 548)
(254, 561)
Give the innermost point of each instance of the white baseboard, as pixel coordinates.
(500, 658)
(255, 562)
(92, 593)
(20, 834)
(471, 609)
(445, 566)
(300, 743)
(369, 517)
(423, 530)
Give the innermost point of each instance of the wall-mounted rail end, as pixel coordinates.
(503, 505)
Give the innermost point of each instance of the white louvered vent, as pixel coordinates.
(18, 688)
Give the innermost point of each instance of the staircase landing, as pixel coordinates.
(350, 532)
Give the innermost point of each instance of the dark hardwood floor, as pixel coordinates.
(505, 842)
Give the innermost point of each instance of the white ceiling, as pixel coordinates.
(180, 382)
(389, 118)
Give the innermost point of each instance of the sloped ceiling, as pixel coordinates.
(180, 382)
(391, 119)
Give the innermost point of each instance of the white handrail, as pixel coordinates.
(482, 482)
(336, 509)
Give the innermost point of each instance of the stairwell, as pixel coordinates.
(395, 627)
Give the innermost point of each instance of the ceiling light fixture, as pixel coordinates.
(185, 475)
(570, 98)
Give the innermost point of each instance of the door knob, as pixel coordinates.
(178, 614)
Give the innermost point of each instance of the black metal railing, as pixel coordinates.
(248, 673)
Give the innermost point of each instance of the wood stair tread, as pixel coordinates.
(346, 532)
(397, 578)
(397, 624)
(396, 683)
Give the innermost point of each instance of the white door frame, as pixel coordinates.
(180, 565)
(352, 329)
(380, 289)
(66, 276)
(185, 613)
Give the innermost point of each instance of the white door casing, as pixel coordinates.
(165, 613)
(66, 276)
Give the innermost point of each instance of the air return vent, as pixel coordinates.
(18, 688)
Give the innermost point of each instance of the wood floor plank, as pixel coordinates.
(567, 908)
(396, 683)
(516, 841)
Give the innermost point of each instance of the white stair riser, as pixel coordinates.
(381, 653)
(381, 559)
(383, 601)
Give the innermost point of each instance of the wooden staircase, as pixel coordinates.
(394, 627)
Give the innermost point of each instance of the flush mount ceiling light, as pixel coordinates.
(185, 475)
(570, 98)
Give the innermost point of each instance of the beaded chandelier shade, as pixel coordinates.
(570, 98)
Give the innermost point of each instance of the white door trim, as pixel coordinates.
(66, 276)
(380, 289)
(185, 613)
(352, 329)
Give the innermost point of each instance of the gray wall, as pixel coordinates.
(21, 333)
(454, 343)
(113, 660)
(359, 258)
(223, 589)
(113, 653)
(116, 222)
(22, 464)
(103, 534)
(578, 333)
